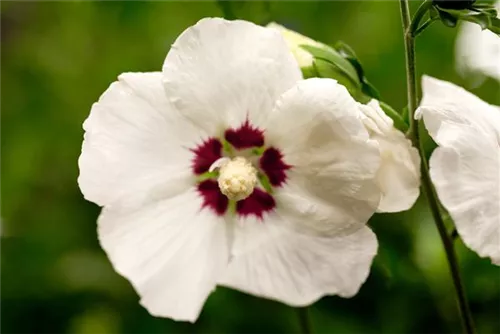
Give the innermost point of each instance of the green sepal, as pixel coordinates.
(482, 5)
(495, 25)
(399, 121)
(309, 72)
(331, 56)
(366, 87)
(370, 90)
(485, 15)
(448, 19)
(433, 13)
(483, 20)
(345, 50)
(326, 69)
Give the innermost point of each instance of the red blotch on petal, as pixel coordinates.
(256, 204)
(273, 165)
(212, 197)
(206, 154)
(245, 136)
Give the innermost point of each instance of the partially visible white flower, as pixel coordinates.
(294, 40)
(291, 154)
(477, 50)
(399, 173)
(465, 167)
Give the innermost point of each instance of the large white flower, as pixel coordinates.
(227, 168)
(465, 168)
(399, 174)
(477, 50)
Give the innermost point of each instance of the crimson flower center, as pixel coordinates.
(240, 169)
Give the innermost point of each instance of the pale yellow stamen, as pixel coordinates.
(237, 178)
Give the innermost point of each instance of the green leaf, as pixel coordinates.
(333, 57)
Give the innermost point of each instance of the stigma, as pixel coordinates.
(237, 177)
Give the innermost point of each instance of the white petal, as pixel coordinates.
(465, 168)
(171, 251)
(331, 185)
(399, 173)
(271, 261)
(135, 144)
(444, 103)
(220, 72)
(478, 50)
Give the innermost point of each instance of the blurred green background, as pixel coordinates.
(58, 57)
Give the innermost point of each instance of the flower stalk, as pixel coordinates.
(411, 29)
(304, 320)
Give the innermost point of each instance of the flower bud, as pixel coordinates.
(294, 41)
(320, 60)
(454, 4)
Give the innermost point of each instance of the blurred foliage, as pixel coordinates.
(58, 57)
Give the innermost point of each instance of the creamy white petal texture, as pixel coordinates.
(134, 148)
(220, 72)
(170, 250)
(332, 183)
(272, 261)
(477, 50)
(399, 174)
(316, 242)
(465, 167)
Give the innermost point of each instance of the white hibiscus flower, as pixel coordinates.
(477, 50)
(167, 154)
(465, 168)
(399, 174)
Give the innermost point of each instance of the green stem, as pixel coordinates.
(304, 320)
(410, 27)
